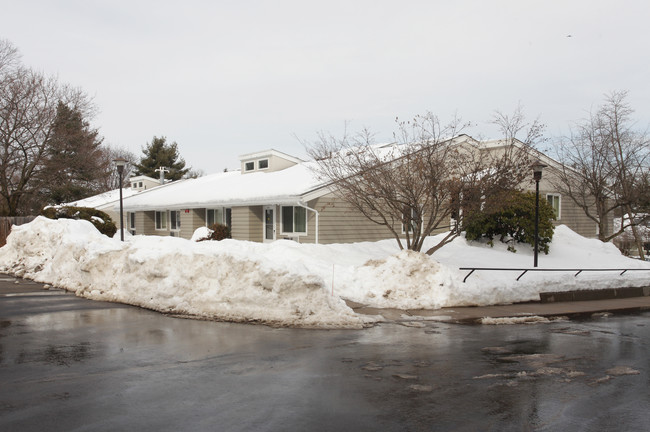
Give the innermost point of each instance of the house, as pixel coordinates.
(277, 196)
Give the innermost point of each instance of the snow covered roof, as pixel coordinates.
(102, 199)
(230, 189)
(289, 185)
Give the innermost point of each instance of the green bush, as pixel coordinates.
(101, 220)
(513, 222)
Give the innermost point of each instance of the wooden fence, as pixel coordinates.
(7, 222)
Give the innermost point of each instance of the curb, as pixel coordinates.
(588, 295)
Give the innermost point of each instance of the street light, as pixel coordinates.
(537, 167)
(120, 163)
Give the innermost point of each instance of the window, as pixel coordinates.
(554, 201)
(213, 216)
(228, 217)
(409, 219)
(249, 166)
(140, 184)
(263, 164)
(294, 220)
(134, 185)
(161, 220)
(131, 217)
(175, 220)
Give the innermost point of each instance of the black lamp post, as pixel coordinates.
(120, 163)
(537, 167)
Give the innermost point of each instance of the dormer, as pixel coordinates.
(266, 161)
(140, 183)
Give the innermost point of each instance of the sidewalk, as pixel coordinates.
(473, 314)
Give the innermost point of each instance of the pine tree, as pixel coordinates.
(75, 164)
(158, 154)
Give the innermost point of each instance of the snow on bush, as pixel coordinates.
(201, 233)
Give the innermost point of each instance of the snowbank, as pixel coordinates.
(171, 275)
(287, 283)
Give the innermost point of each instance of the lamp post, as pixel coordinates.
(537, 167)
(120, 163)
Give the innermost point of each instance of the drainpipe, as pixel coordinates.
(317, 214)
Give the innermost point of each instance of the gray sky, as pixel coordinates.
(223, 78)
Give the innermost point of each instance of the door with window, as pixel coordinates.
(269, 223)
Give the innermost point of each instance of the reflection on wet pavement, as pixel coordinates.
(111, 367)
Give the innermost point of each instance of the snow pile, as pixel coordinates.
(171, 275)
(287, 283)
(201, 233)
(408, 280)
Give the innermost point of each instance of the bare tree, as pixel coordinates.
(515, 126)
(28, 107)
(414, 186)
(111, 178)
(194, 173)
(605, 163)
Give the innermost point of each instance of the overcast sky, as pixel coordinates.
(224, 78)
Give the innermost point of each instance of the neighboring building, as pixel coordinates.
(108, 201)
(142, 183)
(277, 196)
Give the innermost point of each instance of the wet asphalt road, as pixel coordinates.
(69, 364)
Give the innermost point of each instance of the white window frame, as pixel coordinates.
(227, 221)
(131, 223)
(558, 214)
(293, 233)
(175, 225)
(259, 162)
(249, 164)
(221, 220)
(410, 225)
(163, 220)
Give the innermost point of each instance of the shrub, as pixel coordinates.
(218, 232)
(101, 220)
(514, 222)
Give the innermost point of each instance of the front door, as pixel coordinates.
(269, 223)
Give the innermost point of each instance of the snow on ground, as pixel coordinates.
(292, 284)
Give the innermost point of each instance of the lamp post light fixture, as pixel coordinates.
(537, 167)
(120, 163)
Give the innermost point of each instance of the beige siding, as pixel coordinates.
(190, 221)
(145, 223)
(571, 214)
(340, 223)
(115, 216)
(140, 223)
(277, 163)
(247, 223)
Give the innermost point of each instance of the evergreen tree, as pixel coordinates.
(74, 165)
(158, 154)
